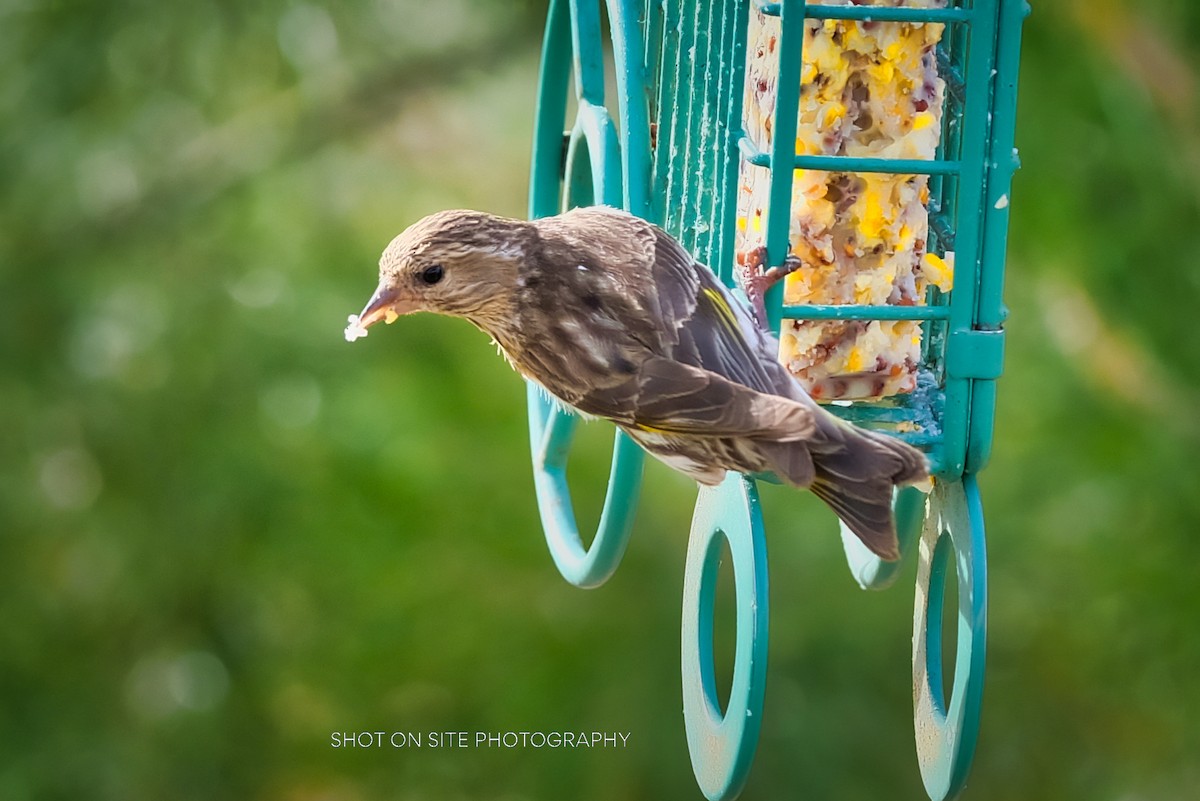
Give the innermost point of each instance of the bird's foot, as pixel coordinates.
(757, 281)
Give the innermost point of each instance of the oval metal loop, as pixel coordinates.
(553, 74)
(871, 572)
(550, 432)
(588, 51)
(946, 733)
(722, 746)
(599, 179)
(625, 19)
(594, 174)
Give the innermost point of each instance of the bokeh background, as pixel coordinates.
(225, 533)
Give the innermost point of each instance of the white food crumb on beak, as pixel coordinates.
(354, 329)
(1002, 202)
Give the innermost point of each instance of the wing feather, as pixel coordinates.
(670, 397)
(702, 367)
(716, 330)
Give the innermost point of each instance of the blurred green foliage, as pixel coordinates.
(225, 533)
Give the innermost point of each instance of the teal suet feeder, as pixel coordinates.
(667, 147)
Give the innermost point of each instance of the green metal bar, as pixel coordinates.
(1002, 162)
(853, 163)
(857, 312)
(719, 156)
(951, 75)
(545, 176)
(631, 94)
(677, 183)
(652, 60)
(682, 130)
(719, 86)
(890, 14)
(783, 148)
(894, 166)
(968, 197)
(920, 439)
(873, 13)
(667, 110)
(589, 55)
(733, 115)
(865, 412)
(704, 124)
(941, 227)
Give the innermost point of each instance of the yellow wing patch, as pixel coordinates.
(722, 306)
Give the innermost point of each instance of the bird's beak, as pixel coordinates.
(386, 304)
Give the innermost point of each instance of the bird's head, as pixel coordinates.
(460, 263)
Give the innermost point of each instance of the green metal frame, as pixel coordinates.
(594, 169)
(674, 159)
(946, 729)
(722, 744)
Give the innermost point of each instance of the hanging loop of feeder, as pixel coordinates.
(947, 728)
(722, 744)
(594, 169)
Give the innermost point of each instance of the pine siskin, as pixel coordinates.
(615, 318)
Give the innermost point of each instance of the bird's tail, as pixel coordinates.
(857, 478)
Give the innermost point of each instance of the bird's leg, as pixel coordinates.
(758, 281)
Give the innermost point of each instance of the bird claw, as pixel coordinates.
(758, 281)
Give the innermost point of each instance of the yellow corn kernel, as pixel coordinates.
(872, 219)
(854, 362)
(858, 40)
(922, 121)
(741, 223)
(832, 113)
(882, 72)
(756, 223)
(808, 73)
(938, 271)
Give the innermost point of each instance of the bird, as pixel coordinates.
(615, 319)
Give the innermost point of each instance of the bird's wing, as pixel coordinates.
(700, 365)
(711, 328)
(670, 397)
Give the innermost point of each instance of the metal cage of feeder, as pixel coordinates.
(670, 153)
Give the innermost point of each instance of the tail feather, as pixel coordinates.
(856, 481)
(790, 461)
(871, 521)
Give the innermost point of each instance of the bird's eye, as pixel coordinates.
(432, 274)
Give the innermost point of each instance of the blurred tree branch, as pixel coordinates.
(289, 127)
